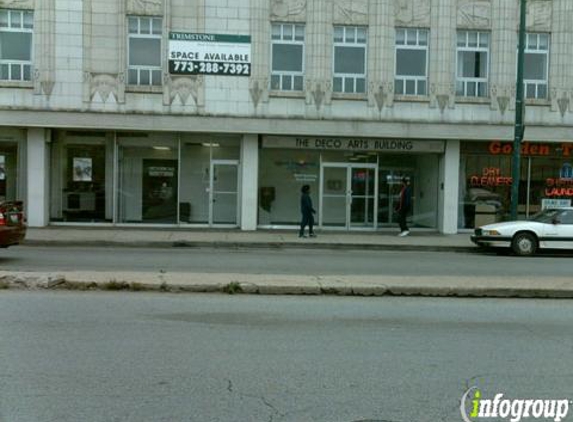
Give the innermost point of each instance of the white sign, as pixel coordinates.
(209, 54)
(353, 144)
(554, 203)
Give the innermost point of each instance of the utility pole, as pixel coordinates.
(519, 115)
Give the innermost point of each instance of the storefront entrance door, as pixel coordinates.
(223, 192)
(348, 195)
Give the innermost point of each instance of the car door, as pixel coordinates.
(559, 234)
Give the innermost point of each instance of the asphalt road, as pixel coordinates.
(111, 357)
(281, 261)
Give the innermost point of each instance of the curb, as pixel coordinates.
(43, 281)
(251, 245)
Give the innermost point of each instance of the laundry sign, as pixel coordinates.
(209, 54)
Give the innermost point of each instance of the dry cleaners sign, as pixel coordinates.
(353, 144)
(209, 54)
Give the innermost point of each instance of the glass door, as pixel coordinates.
(223, 192)
(348, 195)
(362, 192)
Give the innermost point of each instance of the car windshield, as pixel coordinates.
(546, 216)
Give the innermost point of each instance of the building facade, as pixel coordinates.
(214, 113)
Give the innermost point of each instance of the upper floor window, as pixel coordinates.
(144, 50)
(536, 65)
(287, 56)
(16, 30)
(411, 61)
(349, 59)
(473, 64)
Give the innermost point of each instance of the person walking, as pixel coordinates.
(307, 212)
(403, 206)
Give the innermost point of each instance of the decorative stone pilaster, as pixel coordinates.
(381, 55)
(103, 87)
(180, 89)
(259, 90)
(260, 65)
(318, 55)
(503, 61)
(318, 92)
(45, 46)
(442, 90)
(380, 94)
(561, 60)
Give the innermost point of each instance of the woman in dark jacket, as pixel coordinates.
(307, 212)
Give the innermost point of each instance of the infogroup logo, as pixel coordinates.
(474, 408)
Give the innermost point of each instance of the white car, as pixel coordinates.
(550, 229)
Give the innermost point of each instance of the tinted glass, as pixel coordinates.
(472, 64)
(411, 62)
(535, 66)
(144, 52)
(349, 60)
(287, 58)
(16, 46)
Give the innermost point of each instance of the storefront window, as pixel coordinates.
(282, 173)
(8, 171)
(486, 178)
(148, 178)
(80, 182)
(209, 180)
(350, 189)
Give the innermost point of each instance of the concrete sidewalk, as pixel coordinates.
(157, 237)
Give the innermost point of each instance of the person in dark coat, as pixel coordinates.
(307, 212)
(403, 207)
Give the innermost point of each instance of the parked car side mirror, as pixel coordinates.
(555, 220)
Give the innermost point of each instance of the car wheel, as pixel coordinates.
(524, 244)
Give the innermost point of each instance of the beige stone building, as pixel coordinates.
(184, 113)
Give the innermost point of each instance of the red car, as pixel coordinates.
(12, 225)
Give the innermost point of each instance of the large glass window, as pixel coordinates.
(411, 61)
(536, 65)
(287, 57)
(81, 184)
(472, 64)
(209, 180)
(148, 178)
(16, 30)
(281, 175)
(8, 171)
(349, 59)
(144, 50)
(546, 173)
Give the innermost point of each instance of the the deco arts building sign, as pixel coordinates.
(353, 144)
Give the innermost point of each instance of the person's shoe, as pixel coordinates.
(312, 235)
(301, 235)
(404, 233)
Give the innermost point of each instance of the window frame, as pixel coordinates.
(354, 77)
(21, 29)
(537, 82)
(283, 75)
(465, 81)
(416, 47)
(146, 68)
